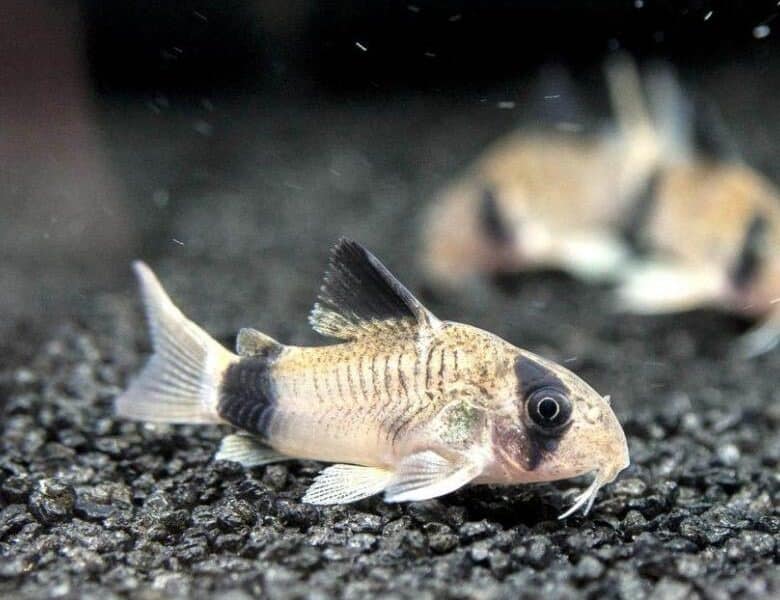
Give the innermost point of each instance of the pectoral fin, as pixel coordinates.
(341, 484)
(596, 256)
(759, 340)
(428, 475)
(248, 451)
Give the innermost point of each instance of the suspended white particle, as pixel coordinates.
(761, 31)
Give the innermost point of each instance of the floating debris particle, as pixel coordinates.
(761, 31)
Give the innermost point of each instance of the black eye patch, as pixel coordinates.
(751, 252)
(538, 388)
(531, 376)
(491, 219)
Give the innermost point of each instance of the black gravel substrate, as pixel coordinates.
(95, 507)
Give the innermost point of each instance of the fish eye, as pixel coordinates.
(548, 408)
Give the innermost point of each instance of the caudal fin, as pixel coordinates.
(180, 383)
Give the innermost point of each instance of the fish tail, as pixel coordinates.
(181, 381)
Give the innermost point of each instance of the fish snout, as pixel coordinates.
(612, 455)
(597, 439)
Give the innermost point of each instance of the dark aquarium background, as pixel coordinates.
(229, 144)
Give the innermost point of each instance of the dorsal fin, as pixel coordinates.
(251, 342)
(360, 296)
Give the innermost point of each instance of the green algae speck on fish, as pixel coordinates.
(404, 404)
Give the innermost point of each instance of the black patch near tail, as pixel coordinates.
(750, 256)
(247, 398)
(491, 219)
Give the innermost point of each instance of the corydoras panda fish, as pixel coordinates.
(711, 238)
(646, 207)
(541, 199)
(405, 404)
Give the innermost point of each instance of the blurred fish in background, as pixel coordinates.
(548, 199)
(706, 233)
(677, 224)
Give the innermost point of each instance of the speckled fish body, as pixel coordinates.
(406, 404)
(376, 401)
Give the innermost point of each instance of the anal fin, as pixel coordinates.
(248, 451)
(758, 340)
(341, 484)
(428, 475)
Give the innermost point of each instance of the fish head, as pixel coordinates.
(557, 427)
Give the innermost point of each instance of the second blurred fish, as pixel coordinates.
(640, 205)
(541, 199)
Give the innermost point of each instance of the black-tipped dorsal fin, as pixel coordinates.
(359, 296)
